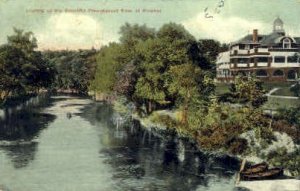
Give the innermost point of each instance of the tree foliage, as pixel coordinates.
(22, 68)
(74, 69)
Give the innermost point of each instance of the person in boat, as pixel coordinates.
(69, 115)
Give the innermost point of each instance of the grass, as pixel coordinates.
(284, 91)
(275, 103)
(270, 85)
(222, 88)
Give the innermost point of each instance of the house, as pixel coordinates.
(272, 57)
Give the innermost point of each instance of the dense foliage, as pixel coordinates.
(23, 69)
(74, 69)
(146, 67)
(169, 69)
(245, 90)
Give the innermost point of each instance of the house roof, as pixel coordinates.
(248, 39)
(272, 38)
(297, 39)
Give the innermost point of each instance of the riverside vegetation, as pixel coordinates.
(165, 70)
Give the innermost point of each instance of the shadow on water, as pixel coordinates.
(151, 160)
(20, 125)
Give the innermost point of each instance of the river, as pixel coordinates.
(69, 143)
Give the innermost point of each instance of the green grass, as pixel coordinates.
(222, 88)
(284, 91)
(273, 102)
(270, 85)
(276, 103)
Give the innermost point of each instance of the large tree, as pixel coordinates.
(22, 68)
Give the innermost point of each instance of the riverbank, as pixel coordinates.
(281, 150)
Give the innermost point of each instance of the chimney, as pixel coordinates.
(255, 35)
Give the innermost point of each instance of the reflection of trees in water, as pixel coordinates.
(20, 154)
(19, 126)
(97, 113)
(140, 156)
(23, 124)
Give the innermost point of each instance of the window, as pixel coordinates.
(278, 73)
(279, 59)
(292, 59)
(232, 60)
(261, 73)
(241, 46)
(262, 59)
(286, 43)
(292, 74)
(242, 60)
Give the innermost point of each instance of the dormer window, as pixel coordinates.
(286, 43)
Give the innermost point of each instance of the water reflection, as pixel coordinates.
(145, 160)
(19, 126)
(20, 154)
(88, 150)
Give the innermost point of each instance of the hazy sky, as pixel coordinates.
(86, 27)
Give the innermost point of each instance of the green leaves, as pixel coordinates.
(22, 68)
(74, 69)
(249, 89)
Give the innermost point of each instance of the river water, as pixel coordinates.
(68, 143)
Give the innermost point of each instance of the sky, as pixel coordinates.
(82, 24)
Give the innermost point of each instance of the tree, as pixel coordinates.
(126, 81)
(23, 69)
(249, 90)
(74, 69)
(188, 82)
(107, 69)
(207, 51)
(132, 34)
(296, 89)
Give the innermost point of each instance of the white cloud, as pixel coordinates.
(72, 31)
(224, 29)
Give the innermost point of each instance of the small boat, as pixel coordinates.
(267, 174)
(69, 115)
(255, 169)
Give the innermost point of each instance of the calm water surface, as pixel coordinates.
(67, 143)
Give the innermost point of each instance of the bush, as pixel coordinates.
(289, 161)
(284, 127)
(237, 146)
(296, 90)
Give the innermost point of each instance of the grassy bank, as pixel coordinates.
(277, 102)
